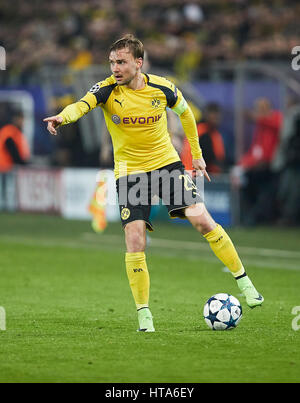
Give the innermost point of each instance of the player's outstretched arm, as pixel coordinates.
(71, 113)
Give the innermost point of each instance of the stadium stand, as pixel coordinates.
(179, 35)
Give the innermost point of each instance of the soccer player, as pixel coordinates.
(134, 106)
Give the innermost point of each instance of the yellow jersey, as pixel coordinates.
(137, 122)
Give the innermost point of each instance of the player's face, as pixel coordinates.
(124, 66)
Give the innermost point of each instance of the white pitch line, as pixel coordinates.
(93, 241)
(175, 244)
(179, 246)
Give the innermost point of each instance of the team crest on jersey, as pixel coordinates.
(95, 88)
(125, 213)
(116, 119)
(155, 102)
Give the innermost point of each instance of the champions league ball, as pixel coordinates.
(222, 312)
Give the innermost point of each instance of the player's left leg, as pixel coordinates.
(224, 249)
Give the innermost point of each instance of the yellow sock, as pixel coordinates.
(138, 277)
(224, 249)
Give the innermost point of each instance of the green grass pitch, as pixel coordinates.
(70, 316)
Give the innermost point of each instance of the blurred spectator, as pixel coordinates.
(253, 173)
(287, 164)
(265, 137)
(189, 59)
(210, 139)
(14, 148)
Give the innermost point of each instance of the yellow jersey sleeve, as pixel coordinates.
(97, 95)
(190, 129)
(182, 109)
(75, 111)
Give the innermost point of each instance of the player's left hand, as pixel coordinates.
(200, 166)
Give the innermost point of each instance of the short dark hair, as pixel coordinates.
(129, 41)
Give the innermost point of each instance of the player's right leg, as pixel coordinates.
(135, 219)
(137, 272)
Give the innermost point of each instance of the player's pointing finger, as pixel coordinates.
(206, 175)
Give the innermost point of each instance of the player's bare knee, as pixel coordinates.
(135, 243)
(202, 225)
(135, 236)
(200, 218)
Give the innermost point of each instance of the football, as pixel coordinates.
(222, 312)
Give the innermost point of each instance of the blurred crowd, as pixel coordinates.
(179, 35)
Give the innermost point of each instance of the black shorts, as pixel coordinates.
(172, 184)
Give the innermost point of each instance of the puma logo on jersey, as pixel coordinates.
(137, 270)
(119, 102)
